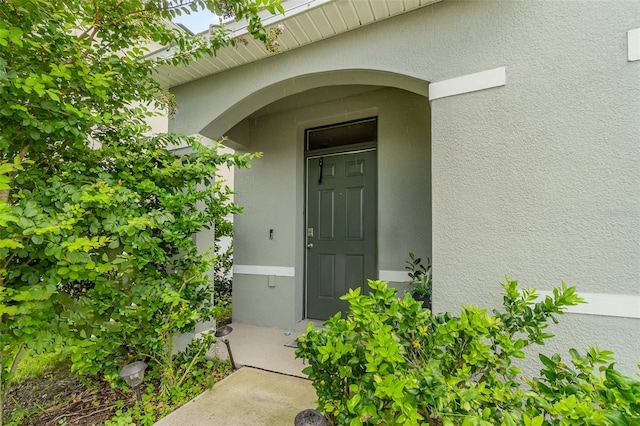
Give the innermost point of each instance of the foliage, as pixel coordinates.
(421, 282)
(96, 216)
(156, 404)
(392, 362)
(96, 401)
(126, 273)
(223, 312)
(222, 274)
(38, 364)
(176, 370)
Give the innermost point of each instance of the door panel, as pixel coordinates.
(341, 215)
(327, 209)
(327, 272)
(355, 214)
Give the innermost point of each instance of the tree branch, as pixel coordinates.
(16, 359)
(96, 20)
(125, 16)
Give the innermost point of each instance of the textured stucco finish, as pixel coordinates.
(254, 302)
(539, 179)
(272, 193)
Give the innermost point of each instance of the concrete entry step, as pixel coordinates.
(266, 348)
(249, 396)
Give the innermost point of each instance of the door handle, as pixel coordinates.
(310, 245)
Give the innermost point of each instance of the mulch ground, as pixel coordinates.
(57, 398)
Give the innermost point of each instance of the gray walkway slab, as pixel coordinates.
(249, 396)
(269, 389)
(262, 347)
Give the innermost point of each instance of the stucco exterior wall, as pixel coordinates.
(272, 193)
(545, 186)
(538, 179)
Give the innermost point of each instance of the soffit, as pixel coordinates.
(312, 97)
(304, 21)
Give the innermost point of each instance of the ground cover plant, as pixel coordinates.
(44, 391)
(96, 214)
(392, 362)
(57, 397)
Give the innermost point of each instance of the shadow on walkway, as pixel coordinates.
(249, 396)
(269, 389)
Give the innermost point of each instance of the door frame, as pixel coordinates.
(344, 150)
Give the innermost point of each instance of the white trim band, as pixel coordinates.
(468, 83)
(280, 271)
(610, 305)
(633, 43)
(394, 276)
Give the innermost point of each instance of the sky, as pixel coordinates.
(199, 21)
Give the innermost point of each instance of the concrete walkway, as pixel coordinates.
(262, 347)
(247, 397)
(269, 389)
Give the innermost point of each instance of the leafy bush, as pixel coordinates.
(96, 214)
(156, 404)
(421, 284)
(392, 362)
(222, 275)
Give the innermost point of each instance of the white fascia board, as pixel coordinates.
(468, 83)
(291, 8)
(633, 42)
(239, 28)
(604, 304)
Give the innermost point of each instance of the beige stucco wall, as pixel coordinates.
(538, 179)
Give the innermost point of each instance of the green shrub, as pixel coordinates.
(421, 283)
(222, 272)
(392, 362)
(37, 364)
(156, 404)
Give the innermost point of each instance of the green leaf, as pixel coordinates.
(546, 361)
(9, 310)
(616, 418)
(11, 244)
(53, 95)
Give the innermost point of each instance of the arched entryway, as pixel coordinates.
(272, 234)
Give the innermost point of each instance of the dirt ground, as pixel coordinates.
(57, 398)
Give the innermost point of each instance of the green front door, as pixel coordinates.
(341, 228)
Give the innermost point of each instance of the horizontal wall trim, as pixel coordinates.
(281, 271)
(613, 305)
(610, 305)
(394, 276)
(633, 45)
(468, 83)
